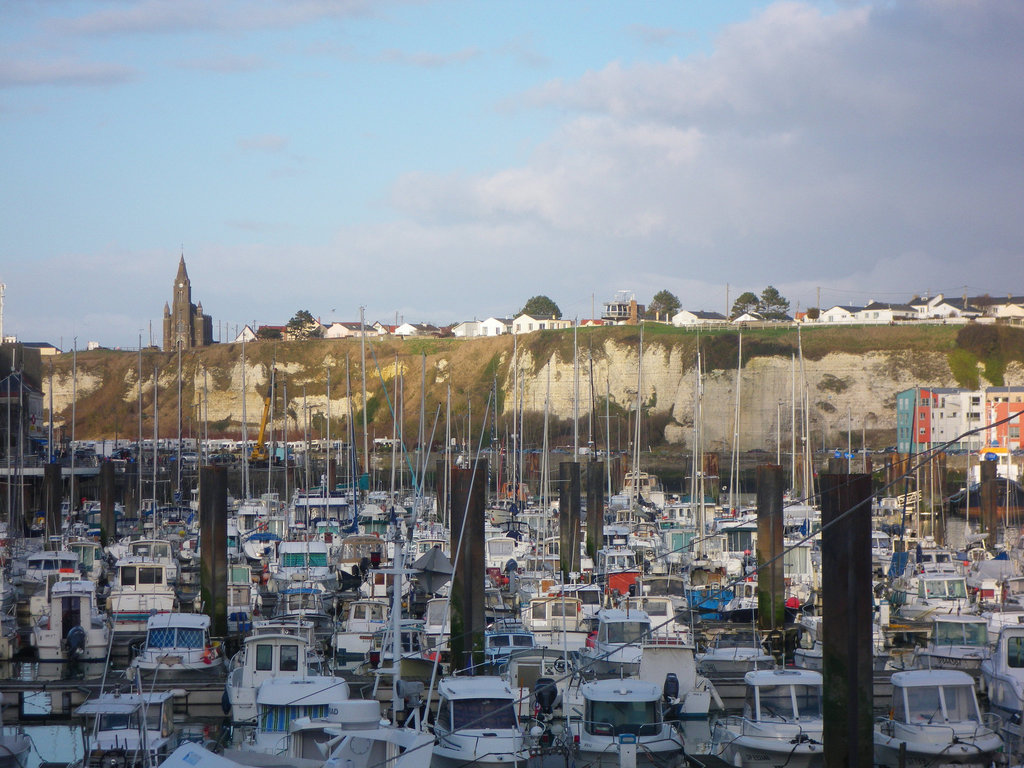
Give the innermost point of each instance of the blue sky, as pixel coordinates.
(441, 161)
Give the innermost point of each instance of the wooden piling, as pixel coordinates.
(846, 622)
(771, 587)
(468, 496)
(595, 507)
(53, 495)
(989, 502)
(213, 545)
(108, 518)
(569, 518)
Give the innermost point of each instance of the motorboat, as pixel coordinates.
(505, 637)
(140, 589)
(306, 602)
(1002, 674)
(477, 724)
(734, 654)
(362, 619)
(616, 648)
(129, 730)
(956, 642)
(73, 629)
(273, 649)
(935, 720)
(781, 724)
(179, 645)
(620, 721)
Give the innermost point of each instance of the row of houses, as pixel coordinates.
(936, 308)
(967, 419)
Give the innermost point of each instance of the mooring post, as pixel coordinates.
(771, 585)
(468, 495)
(53, 483)
(108, 518)
(569, 518)
(846, 622)
(213, 545)
(989, 501)
(595, 507)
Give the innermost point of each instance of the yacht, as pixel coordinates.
(73, 629)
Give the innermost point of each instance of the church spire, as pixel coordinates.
(182, 272)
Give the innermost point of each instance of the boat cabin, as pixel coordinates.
(783, 695)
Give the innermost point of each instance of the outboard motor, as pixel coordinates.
(670, 695)
(545, 696)
(76, 642)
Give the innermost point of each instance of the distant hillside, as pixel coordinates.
(852, 375)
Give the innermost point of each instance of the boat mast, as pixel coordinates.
(245, 431)
(734, 461)
(635, 490)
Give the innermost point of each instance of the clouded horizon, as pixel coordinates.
(442, 161)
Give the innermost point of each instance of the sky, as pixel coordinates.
(445, 160)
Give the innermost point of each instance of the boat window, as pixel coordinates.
(539, 611)
(151, 576)
(411, 642)
(358, 611)
(658, 608)
(960, 702)
(293, 560)
(1015, 652)
(589, 596)
(558, 608)
(483, 714)
(318, 559)
(624, 631)
(499, 641)
(499, 547)
(808, 700)
(113, 722)
(615, 717)
(160, 637)
(923, 704)
(776, 702)
(444, 717)
(522, 641)
(190, 637)
(289, 658)
(128, 576)
(264, 657)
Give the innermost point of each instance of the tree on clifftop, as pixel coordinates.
(772, 305)
(541, 306)
(304, 326)
(747, 302)
(664, 305)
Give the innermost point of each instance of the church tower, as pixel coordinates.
(185, 325)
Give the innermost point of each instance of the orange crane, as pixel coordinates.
(259, 450)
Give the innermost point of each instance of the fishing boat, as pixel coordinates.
(1002, 674)
(140, 589)
(178, 645)
(781, 724)
(273, 649)
(477, 724)
(73, 629)
(935, 720)
(363, 618)
(616, 648)
(623, 723)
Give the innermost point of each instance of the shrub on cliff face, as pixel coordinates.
(964, 367)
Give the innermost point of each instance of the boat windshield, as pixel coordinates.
(625, 631)
(960, 633)
(608, 718)
(924, 705)
(483, 713)
(945, 588)
(808, 701)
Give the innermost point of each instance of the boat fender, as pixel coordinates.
(225, 703)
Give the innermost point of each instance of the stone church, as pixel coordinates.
(184, 322)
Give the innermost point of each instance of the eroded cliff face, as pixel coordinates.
(842, 389)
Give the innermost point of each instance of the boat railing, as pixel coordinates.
(771, 726)
(944, 731)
